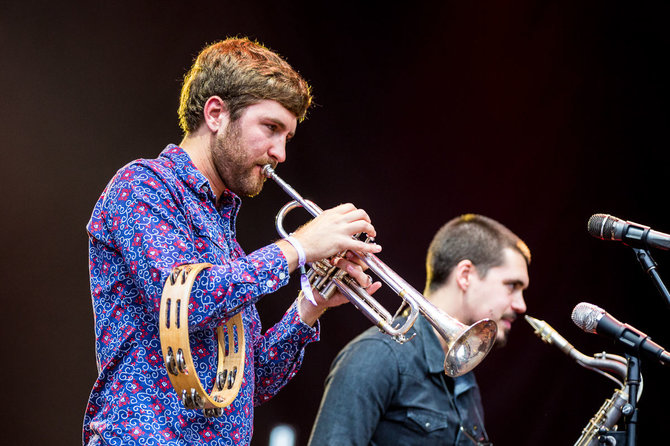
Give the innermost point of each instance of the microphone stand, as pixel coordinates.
(649, 266)
(630, 409)
(626, 437)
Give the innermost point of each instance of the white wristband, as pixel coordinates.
(298, 248)
(304, 282)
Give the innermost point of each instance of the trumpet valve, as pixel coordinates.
(321, 275)
(322, 267)
(328, 290)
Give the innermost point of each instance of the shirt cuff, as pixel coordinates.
(300, 330)
(272, 268)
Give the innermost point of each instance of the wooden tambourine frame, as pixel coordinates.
(177, 351)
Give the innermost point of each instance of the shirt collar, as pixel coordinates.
(431, 345)
(196, 181)
(435, 356)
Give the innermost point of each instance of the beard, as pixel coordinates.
(233, 164)
(501, 341)
(503, 333)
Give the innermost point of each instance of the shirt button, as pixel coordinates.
(270, 283)
(281, 276)
(427, 424)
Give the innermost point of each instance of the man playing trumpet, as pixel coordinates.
(240, 104)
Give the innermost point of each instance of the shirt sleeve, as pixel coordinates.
(139, 219)
(359, 388)
(278, 354)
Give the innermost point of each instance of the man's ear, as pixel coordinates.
(463, 274)
(216, 116)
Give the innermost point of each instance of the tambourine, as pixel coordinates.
(177, 351)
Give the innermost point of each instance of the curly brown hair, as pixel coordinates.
(241, 73)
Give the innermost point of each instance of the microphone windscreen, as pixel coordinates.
(600, 226)
(586, 316)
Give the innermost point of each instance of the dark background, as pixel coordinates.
(536, 113)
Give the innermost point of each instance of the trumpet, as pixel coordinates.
(467, 345)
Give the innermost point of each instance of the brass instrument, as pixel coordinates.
(467, 345)
(605, 419)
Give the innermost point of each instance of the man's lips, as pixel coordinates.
(506, 324)
(262, 166)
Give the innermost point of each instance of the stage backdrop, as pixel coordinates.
(538, 114)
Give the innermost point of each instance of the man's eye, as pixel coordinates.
(272, 127)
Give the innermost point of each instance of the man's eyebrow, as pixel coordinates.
(281, 125)
(516, 282)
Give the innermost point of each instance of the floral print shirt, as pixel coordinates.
(153, 215)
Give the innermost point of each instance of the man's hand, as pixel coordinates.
(331, 233)
(309, 313)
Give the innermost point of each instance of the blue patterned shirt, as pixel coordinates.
(153, 215)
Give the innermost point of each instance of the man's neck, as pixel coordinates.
(197, 146)
(447, 298)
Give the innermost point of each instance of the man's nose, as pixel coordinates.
(519, 304)
(278, 151)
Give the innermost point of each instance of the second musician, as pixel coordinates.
(380, 392)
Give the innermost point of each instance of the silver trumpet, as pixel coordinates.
(467, 345)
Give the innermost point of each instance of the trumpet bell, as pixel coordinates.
(470, 347)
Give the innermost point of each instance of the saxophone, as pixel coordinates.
(611, 366)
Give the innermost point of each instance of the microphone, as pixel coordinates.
(593, 319)
(608, 227)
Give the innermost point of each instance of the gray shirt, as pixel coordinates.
(379, 392)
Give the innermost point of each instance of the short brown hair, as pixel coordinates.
(473, 237)
(241, 73)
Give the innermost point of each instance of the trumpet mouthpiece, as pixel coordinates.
(268, 170)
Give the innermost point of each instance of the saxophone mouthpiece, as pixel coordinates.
(542, 329)
(548, 334)
(535, 323)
